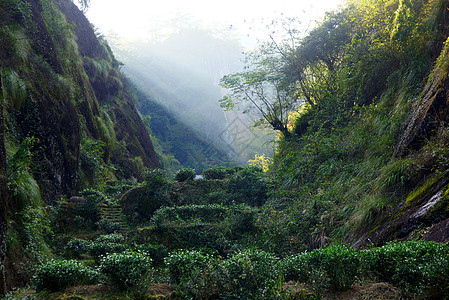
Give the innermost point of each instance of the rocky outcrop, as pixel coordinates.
(432, 109)
(71, 90)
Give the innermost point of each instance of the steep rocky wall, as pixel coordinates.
(71, 89)
(432, 109)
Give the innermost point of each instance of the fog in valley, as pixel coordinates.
(176, 54)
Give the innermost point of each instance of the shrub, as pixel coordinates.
(139, 203)
(240, 217)
(341, 264)
(414, 266)
(249, 274)
(335, 266)
(185, 174)
(57, 275)
(295, 268)
(249, 186)
(76, 247)
(168, 216)
(218, 173)
(194, 272)
(97, 249)
(157, 252)
(155, 176)
(110, 238)
(108, 226)
(90, 209)
(115, 189)
(127, 270)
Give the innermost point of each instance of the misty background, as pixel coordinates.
(176, 54)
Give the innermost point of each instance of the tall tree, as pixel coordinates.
(263, 88)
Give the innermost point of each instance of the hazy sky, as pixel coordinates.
(143, 19)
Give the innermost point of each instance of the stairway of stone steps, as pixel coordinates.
(113, 213)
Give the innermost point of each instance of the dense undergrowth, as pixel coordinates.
(361, 160)
(213, 247)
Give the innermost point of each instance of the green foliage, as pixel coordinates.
(115, 189)
(110, 238)
(202, 192)
(157, 252)
(187, 214)
(249, 186)
(14, 89)
(240, 216)
(127, 270)
(193, 271)
(262, 88)
(218, 173)
(90, 208)
(185, 174)
(155, 177)
(414, 266)
(108, 225)
(98, 249)
(336, 267)
(139, 203)
(92, 165)
(25, 189)
(250, 274)
(57, 275)
(76, 247)
(35, 234)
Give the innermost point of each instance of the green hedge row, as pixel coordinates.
(416, 267)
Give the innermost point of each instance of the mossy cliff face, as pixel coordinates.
(423, 213)
(61, 85)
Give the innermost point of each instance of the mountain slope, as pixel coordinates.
(68, 121)
(62, 85)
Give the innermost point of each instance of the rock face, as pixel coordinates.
(62, 86)
(432, 109)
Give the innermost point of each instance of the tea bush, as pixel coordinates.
(250, 274)
(185, 174)
(414, 266)
(76, 247)
(108, 226)
(157, 252)
(250, 186)
(139, 203)
(341, 265)
(57, 275)
(127, 270)
(295, 268)
(155, 176)
(239, 218)
(168, 216)
(194, 272)
(115, 189)
(90, 208)
(97, 249)
(110, 238)
(218, 173)
(336, 266)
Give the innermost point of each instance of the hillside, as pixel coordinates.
(68, 123)
(354, 203)
(366, 155)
